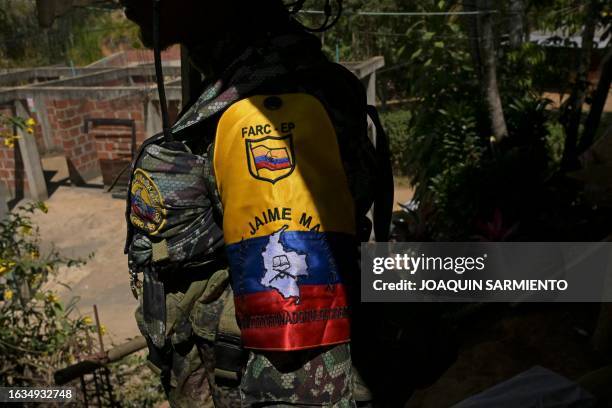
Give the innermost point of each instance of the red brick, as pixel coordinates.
(76, 121)
(137, 115)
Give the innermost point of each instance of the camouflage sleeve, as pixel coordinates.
(170, 208)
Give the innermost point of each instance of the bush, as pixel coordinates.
(140, 386)
(38, 333)
(397, 124)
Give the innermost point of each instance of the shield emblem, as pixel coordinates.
(271, 158)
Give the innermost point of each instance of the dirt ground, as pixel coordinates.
(85, 220)
(81, 221)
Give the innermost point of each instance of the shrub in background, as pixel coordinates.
(38, 333)
(397, 124)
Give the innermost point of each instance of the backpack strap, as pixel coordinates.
(383, 198)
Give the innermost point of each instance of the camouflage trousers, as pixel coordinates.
(186, 365)
(311, 378)
(187, 361)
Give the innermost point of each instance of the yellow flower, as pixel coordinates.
(9, 142)
(52, 297)
(87, 320)
(8, 294)
(43, 207)
(30, 122)
(26, 230)
(5, 266)
(30, 130)
(34, 254)
(102, 329)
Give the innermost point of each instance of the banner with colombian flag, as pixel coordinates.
(288, 222)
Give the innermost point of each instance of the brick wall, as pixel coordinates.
(113, 146)
(138, 56)
(67, 119)
(12, 173)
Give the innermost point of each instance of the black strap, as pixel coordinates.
(159, 74)
(383, 201)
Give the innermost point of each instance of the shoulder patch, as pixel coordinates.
(147, 206)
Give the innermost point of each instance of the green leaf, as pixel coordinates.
(416, 53)
(400, 51)
(428, 35)
(439, 44)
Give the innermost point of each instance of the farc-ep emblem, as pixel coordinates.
(147, 206)
(271, 158)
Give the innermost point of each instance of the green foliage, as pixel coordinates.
(104, 32)
(409, 44)
(397, 124)
(443, 141)
(566, 16)
(81, 37)
(139, 386)
(456, 169)
(444, 161)
(554, 142)
(38, 333)
(527, 66)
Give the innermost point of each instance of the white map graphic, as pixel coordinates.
(283, 268)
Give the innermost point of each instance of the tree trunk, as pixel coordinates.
(573, 109)
(517, 23)
(489, 77)
(471, 23)
(599, 101)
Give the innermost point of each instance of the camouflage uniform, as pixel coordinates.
(184, 288)
(180, 312)
(316, 377)
(187, 368)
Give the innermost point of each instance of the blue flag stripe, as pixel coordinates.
(328, 257)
